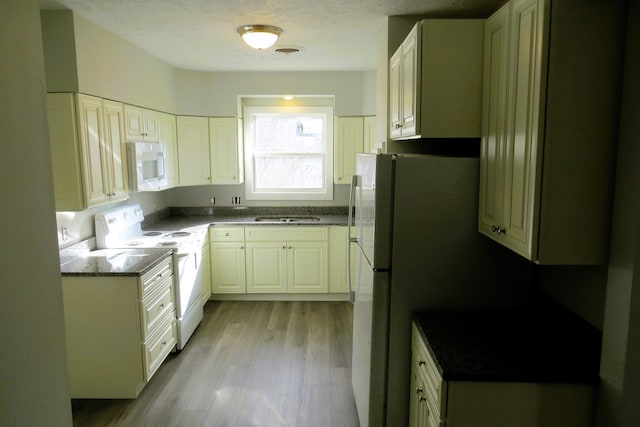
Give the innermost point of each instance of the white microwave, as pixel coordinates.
(146, 166)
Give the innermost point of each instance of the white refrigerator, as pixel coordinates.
(414, 224)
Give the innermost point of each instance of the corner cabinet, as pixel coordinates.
(87, 145)
(193, 150)
(435, 81)
(167, 135)
(548, 146)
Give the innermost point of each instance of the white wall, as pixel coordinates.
(33, 377)
(620, 370)
(113, 68)
(216, 94)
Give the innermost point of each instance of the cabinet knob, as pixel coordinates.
(241, 247)
(423, 399)
(419, 390)
(421, 363)
(284, 247)
(289, 247)
(498, 230)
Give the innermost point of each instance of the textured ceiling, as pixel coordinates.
(334, 35)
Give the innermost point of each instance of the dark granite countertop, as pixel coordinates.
(545, 344)
(115, 262)
(181, 218)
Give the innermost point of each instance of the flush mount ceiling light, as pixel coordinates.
(259, 36)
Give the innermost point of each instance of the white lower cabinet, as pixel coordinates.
(436, 402)
(227, 260)
(287, 260)
(278, 260)
(119, 330)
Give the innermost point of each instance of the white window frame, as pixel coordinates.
(325, 193)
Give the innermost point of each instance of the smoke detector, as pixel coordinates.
(289, 49)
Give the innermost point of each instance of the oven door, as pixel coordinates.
(188, 288)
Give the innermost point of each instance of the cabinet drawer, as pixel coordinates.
(150, 280)
(226, 234)
(286, 232)
(159, 345)
(156, 305)
(428, 371)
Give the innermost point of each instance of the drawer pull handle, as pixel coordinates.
(162, 305)
(164, 343)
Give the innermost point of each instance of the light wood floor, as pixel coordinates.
(248, 364)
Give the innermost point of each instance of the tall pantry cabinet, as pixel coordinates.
(550, 96)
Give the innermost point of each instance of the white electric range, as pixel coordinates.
(121, 228)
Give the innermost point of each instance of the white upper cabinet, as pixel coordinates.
(435, 81)
(349, 140)
(547, 145)
(167, 135)
(193, 150)
(140, 124)
(86, 136)
(370, 134)
(225, 151)
(65, 152)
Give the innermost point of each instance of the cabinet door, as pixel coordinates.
(492, 179)
(395, 99)
(65, 152)
(116, 168)
(225, 152)
(522, 162)
(150, 125)
(411, 54)
(140, 124)
(307, 267)
(167, 136)
(91, 130)
(266, 264)
(349, 141)
(193, 150)
(133, 124)
(228, 268)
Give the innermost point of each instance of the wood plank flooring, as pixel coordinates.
(280, 363)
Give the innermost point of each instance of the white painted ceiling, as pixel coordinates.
(335, 35)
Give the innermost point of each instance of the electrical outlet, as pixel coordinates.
(212, 201)
(235, 200)
(64, 234)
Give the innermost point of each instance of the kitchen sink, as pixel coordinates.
(293, 218)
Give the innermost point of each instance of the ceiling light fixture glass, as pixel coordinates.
(259, 36)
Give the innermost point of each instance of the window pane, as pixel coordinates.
(287, 133)
(288, 172)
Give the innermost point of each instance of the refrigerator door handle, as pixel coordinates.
(350, 220)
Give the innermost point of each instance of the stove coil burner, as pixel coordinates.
(168, 243)
(178, 234)
(152, 233)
